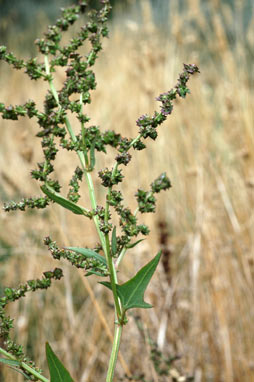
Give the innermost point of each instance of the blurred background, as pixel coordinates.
(203, 316)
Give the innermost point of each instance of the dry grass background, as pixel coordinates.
(203, 291)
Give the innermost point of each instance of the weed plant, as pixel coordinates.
(117, 226)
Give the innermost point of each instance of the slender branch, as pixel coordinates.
(120, 257)
(113, 275)
(53, 89)
(24, 366)
(134, 141)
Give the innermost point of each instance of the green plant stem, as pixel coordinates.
(112, 271)
(113, 279)
(103, 238)
(53, 89)
(120, 257)
(134, 141)
(25, 366)
(114, 352)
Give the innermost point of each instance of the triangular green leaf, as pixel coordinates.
(66, 203)
(132, 292)
(114, 242)
(58, 372)
(88, 253)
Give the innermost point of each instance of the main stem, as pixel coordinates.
(114, 352)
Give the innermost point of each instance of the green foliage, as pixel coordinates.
(59, 199)
(56, 133)
(132, 292)
(58, 372)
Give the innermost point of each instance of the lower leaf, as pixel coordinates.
(58, 372)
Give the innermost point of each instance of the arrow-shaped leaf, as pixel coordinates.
(66, 203)
(86, 252)
(132, 292)
(58, 373)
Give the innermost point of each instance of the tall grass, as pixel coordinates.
(204, 292)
